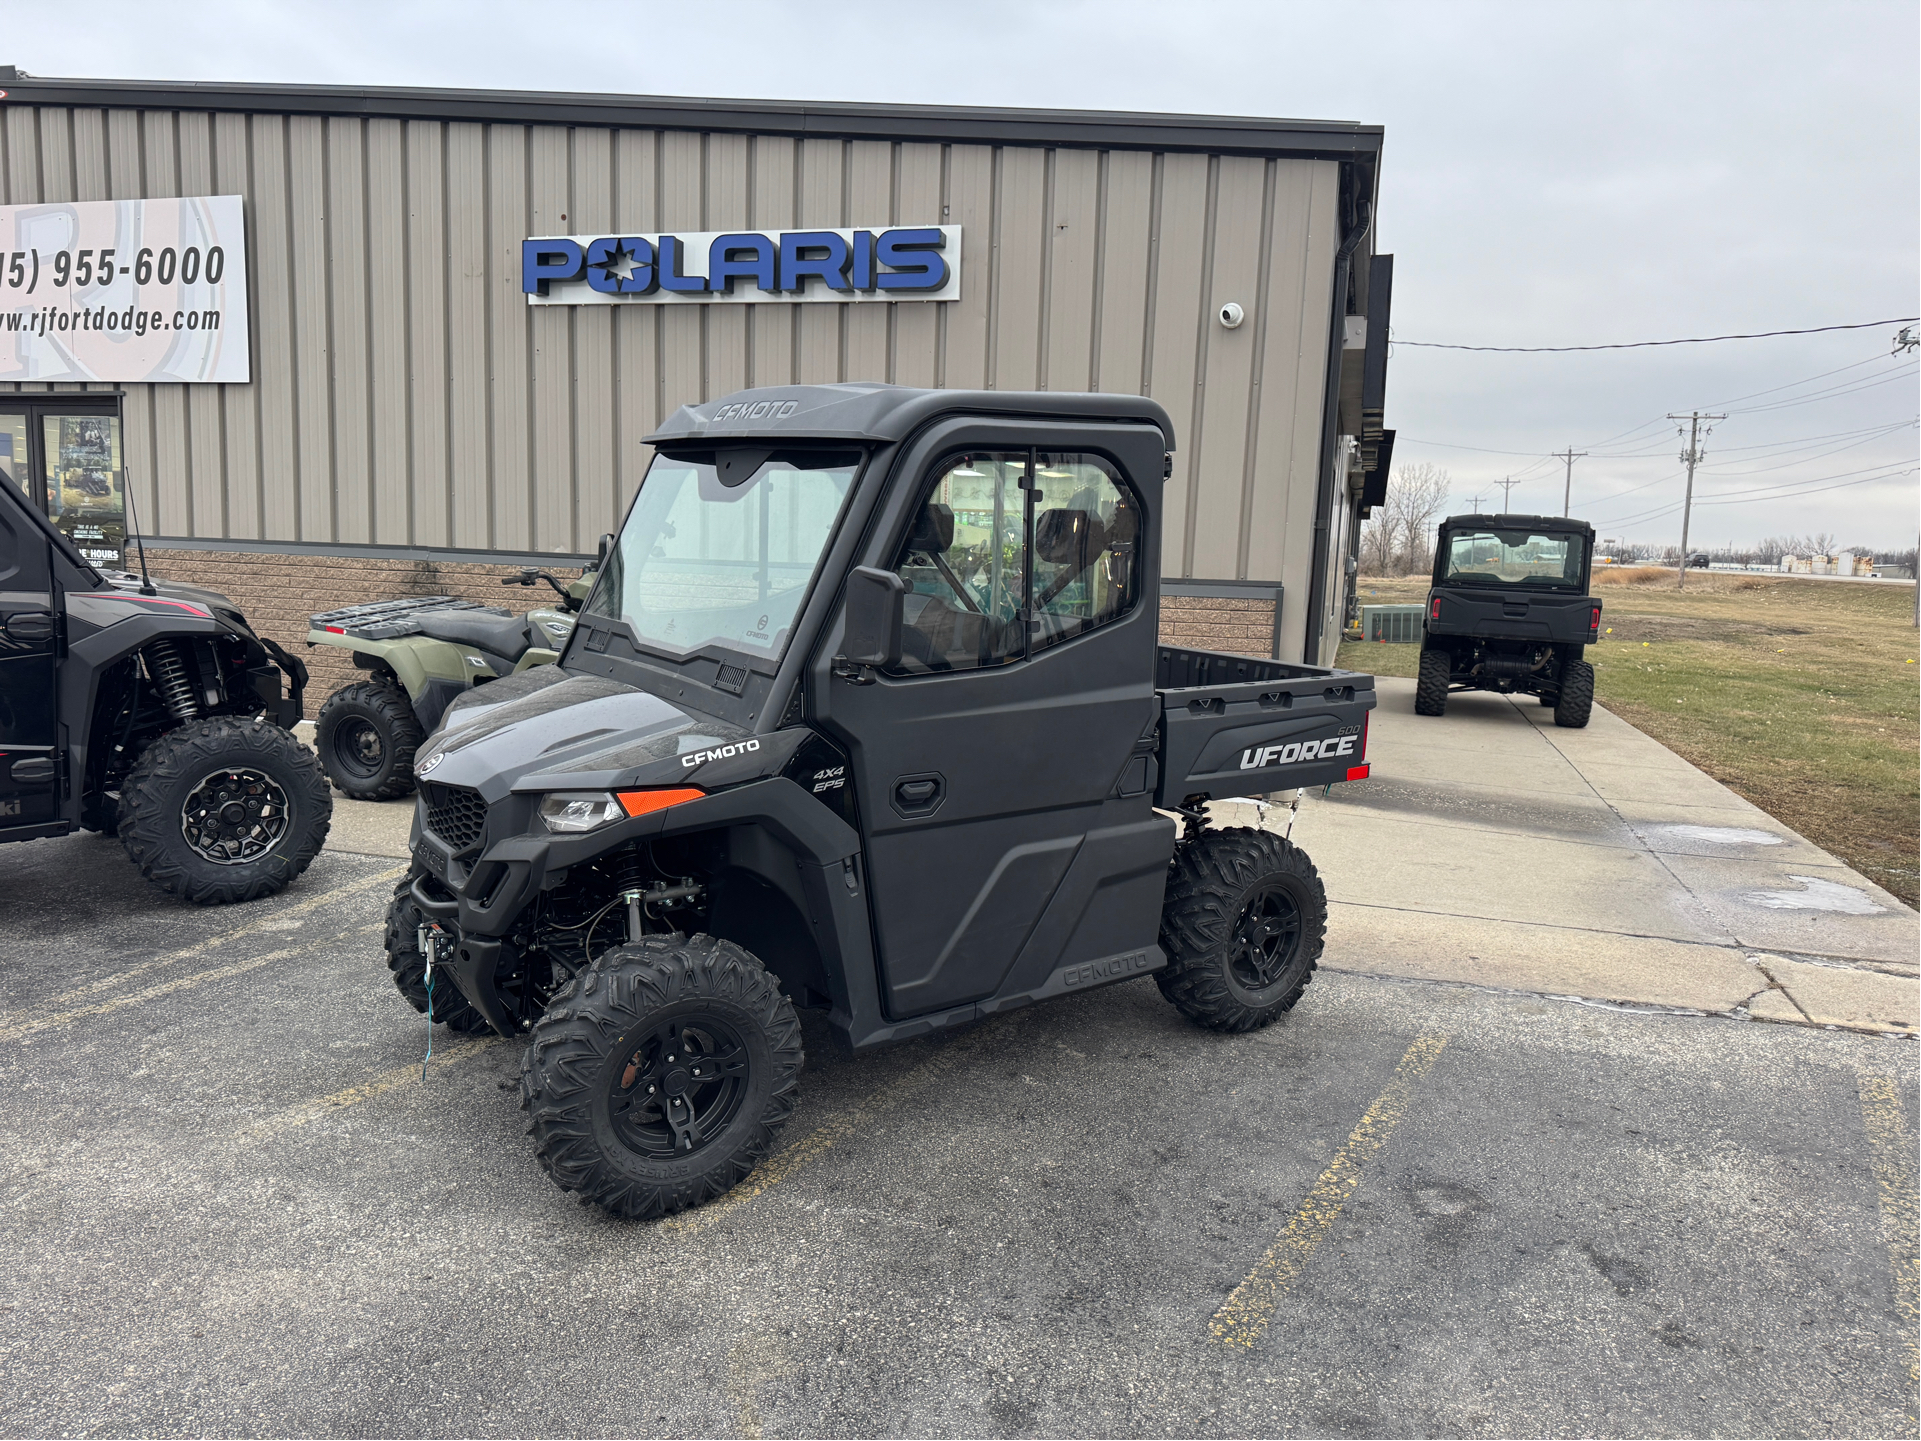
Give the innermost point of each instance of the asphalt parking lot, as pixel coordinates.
(233, 1207)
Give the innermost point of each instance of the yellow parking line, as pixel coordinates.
(275, 921)
(1244, 1317)
(1892, 1163)
(308, 1111)
(48, 1021)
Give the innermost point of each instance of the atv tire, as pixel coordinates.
(224, 810)
(1430, 689)
(1576, 701)
(367, 735)
(1243, 925)
(409, 967)
(610, 1078)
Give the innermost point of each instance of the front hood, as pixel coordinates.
(546, 730)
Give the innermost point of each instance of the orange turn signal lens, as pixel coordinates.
(640, 803)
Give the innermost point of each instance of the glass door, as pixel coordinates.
(86, 488)
(64, 454)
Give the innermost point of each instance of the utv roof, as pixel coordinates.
(1519, 522)
(868, 410)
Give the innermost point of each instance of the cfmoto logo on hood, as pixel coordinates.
(1258, 757)
(719, 753)
(896, 263)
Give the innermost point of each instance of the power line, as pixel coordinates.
(1816, 490)
(1643, 344)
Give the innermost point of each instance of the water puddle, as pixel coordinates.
(1820, 895)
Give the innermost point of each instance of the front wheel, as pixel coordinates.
(367, 734)
(224, 810)
(1576, 701)
(1430, 688)
(1243, 925)
(659, 1076)
(409, 967)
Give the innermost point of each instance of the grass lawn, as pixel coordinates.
(1800, 695)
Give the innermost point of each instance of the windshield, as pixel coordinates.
(1514, 557)
(719, 550)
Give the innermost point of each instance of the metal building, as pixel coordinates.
(408, 410)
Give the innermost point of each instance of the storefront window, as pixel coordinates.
(86, 496)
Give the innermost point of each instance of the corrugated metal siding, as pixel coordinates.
(405, 394)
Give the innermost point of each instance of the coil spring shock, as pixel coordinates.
(169, 672)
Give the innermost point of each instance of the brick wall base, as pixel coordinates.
(277, 593)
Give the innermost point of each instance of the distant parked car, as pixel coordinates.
(1698, 561)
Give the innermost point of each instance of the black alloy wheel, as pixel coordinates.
(1243, 925)
(234, 816)
(224, 809)
(1267, 937)
(660, 1075)
(681, 1087)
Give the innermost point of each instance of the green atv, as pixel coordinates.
(425, 651)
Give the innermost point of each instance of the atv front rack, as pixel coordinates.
(390, 619)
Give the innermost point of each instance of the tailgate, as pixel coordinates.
(1234, 726)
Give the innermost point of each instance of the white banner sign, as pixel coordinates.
(125, 290)
(718, 267)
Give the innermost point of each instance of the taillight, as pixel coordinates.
(1434, 609)
(640, 803)
(1357, 773)
(1594, 624)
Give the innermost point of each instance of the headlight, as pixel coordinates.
(574, 811)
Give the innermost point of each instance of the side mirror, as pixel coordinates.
(606, 549)
(871, 631)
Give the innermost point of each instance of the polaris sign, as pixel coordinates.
(718, 267)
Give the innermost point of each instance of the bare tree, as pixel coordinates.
(1398, 538)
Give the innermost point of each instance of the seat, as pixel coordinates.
(504, 635)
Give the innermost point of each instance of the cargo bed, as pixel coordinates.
(1232, 725)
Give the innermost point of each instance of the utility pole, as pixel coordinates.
(1690, 457)
(1507, 489)
(1474, 501)
(1570, 455)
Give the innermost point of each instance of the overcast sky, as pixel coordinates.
(1558, 174)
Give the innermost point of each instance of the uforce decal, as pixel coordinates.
(719, 753)
(1258, 757)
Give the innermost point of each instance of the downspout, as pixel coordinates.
(1330, 439)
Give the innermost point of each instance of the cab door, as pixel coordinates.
(1005, 826)
(29, 648)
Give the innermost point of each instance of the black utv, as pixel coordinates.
(865, 712)
(153, 712)
(1510, 612)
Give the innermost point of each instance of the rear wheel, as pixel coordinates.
(1430, 688)
(224, 810)
(367, 734)
(1576, 701)
(1243, 925)
(660, 1076)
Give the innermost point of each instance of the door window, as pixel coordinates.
(1014, 551)
(965, 564)
(1086, 550)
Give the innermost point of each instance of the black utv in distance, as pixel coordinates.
(866, 712)
(151, 712)
(1510, 612)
